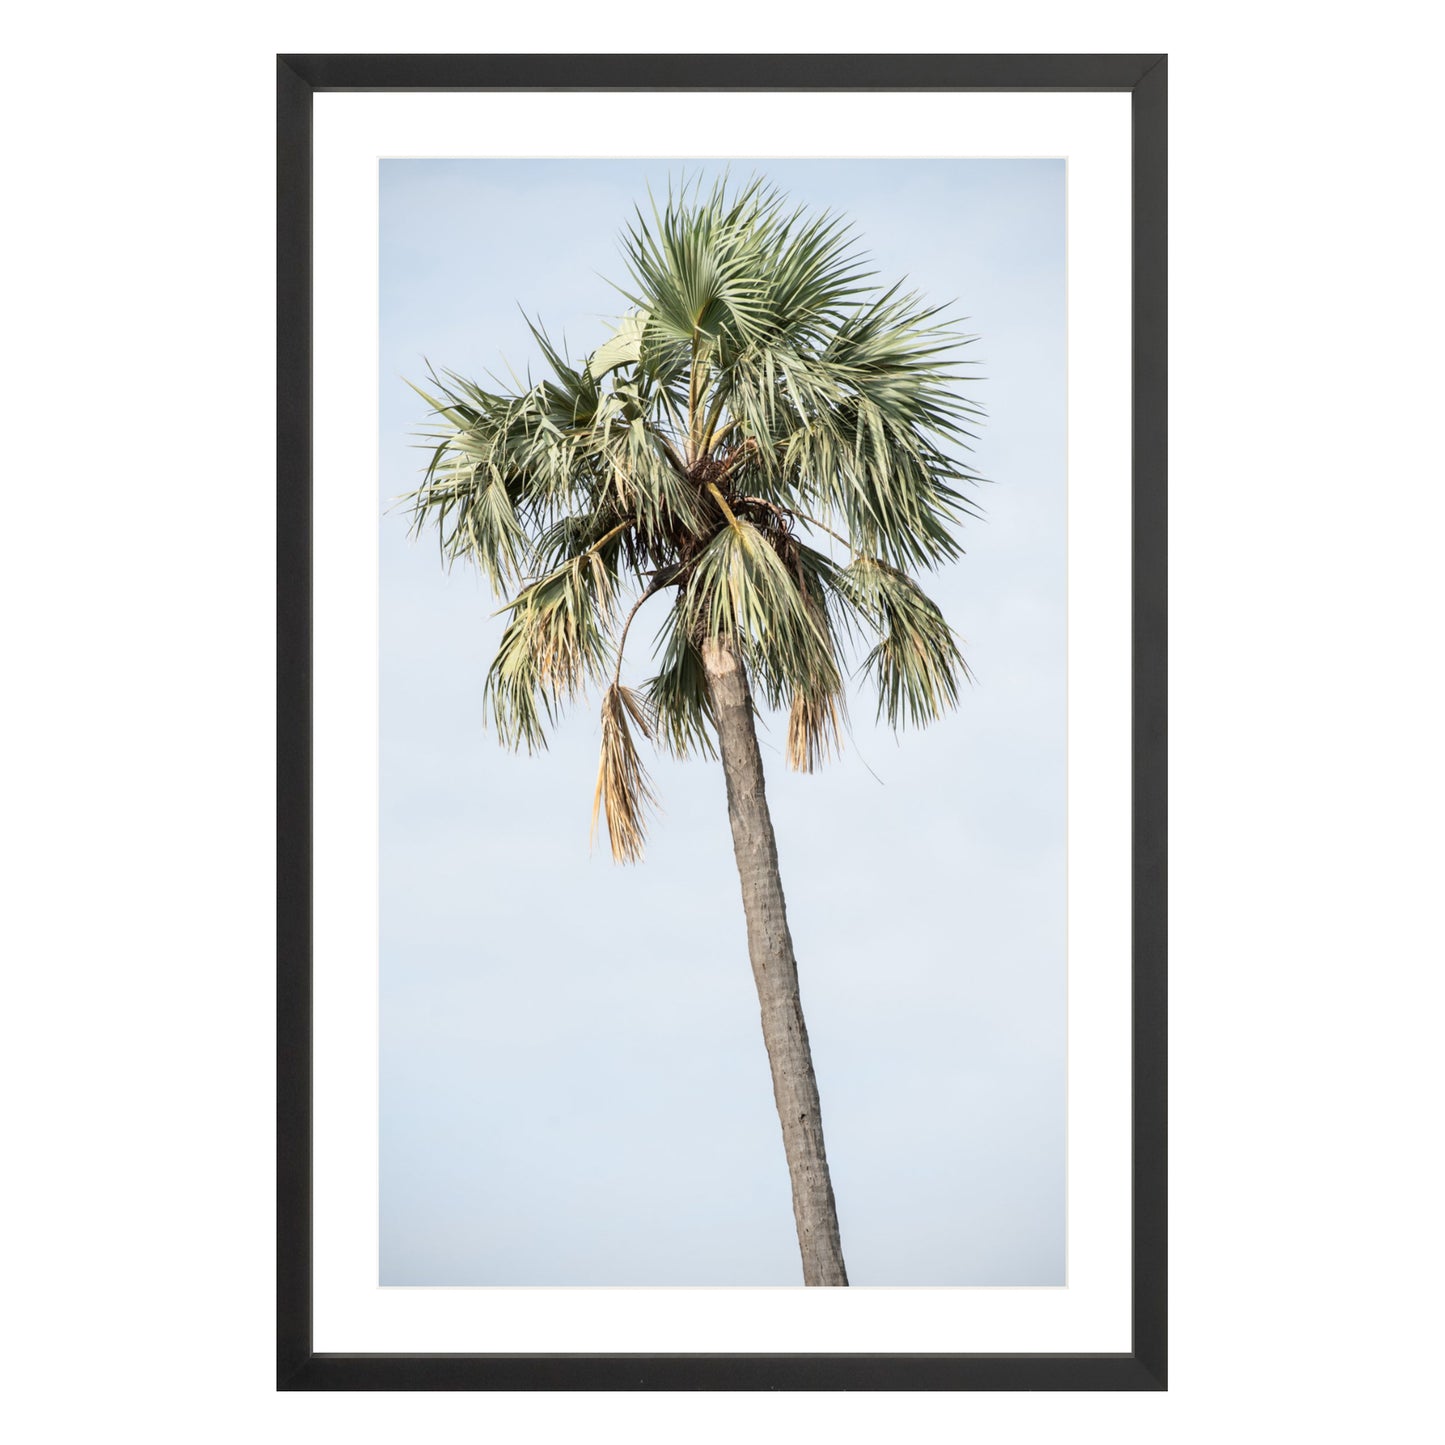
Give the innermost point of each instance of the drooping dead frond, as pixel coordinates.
(813, 732)
(623, 787)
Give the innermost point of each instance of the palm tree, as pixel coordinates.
(761, 400)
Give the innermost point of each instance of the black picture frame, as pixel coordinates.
(299, 1366)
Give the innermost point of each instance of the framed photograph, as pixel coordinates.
(722, 722)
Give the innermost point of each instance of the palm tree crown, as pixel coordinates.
(761, 407)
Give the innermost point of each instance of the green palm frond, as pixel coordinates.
(916, 663)
(695, 266)
(557, 639)
(741, 588)
(761, 390)
(678, 695)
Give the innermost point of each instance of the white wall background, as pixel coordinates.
(137, 591)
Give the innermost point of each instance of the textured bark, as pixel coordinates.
(775, 970)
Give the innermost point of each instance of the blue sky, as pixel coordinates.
(574, 1089)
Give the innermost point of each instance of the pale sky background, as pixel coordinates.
(574, 1089)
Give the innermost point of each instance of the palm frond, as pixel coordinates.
(742, 589)
(556, 641)
(678, 695)
(814, 730)
(624, 791)
(695, 264)
(916, 664)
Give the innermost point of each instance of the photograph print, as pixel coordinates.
(722, 537)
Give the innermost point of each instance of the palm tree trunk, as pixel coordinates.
(775, 970)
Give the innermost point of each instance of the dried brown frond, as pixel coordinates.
(624, 790)
(813, 732)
